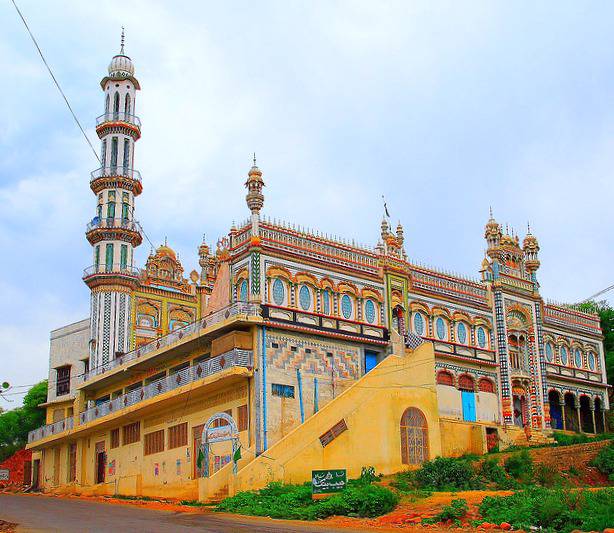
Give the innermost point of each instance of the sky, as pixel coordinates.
(445, 108)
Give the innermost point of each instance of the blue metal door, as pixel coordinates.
(468, 406)
(370, 360)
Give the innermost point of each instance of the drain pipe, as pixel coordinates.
(264, 410)
(300, 394)
(315, 395)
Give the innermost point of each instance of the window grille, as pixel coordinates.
(242, 419)
(115, 438)
(283, 391)
(63, 380)
(333, 433)
(154, 442)
(178, 436)
(131, 433)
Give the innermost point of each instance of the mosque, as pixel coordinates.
(290, 351)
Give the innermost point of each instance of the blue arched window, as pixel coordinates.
(591, 360)
(278, 292)
(370, 311)
(243, 291)
(578, 356)
(326, 302)
(304, 297)
(549, 352)
(563, 355)
(481, 337)
(461, 333)
(419, 324)
(127, 106)
(441, 329)
(346, 306)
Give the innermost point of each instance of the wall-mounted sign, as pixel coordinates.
(4, 474)
(328, 481)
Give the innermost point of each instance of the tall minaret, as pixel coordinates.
(113, 232)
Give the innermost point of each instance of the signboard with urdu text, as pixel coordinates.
(328, 481)
(4, 474)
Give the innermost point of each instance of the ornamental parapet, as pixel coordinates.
(116, 177)
(118, 119)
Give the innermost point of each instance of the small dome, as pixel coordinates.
(530, 241)
(121, 67)
(165, 251)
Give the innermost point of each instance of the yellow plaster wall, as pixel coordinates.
(459, 438)
(372, 408)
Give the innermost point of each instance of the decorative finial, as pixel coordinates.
(254, 158)
(528, 228)
(490, 210)
(385, 207)
(121, 51)
(165, 241)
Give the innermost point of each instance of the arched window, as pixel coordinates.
(127, 106)
(414, 437)
(279, 292)
(486, 385)
(445, 378)
(441, 329)
(465, 382)
(370, 311)
(107, 102)
(461, 333)
(103, 153)
(304, 297)
(126, 154)
(116, 103)
(346, 306)
(591, 360)
(326, 302)
(113, 154)
(481, 337)
(549, 352)
(578, 358)
(419, 324)
(563, 353)
(243, 291)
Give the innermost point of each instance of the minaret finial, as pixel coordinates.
(254, 158)
(528, 227)
(165, 241)
(121, 51)
(490, 210)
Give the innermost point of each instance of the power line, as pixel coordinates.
(56, 81)
(607, 289)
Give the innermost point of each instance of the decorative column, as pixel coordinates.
(505, 385)
(255, 201)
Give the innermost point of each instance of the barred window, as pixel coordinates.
(154, 442)
(63, 380)
(115, 438)
(242, 419)
(178, 436)
(283, 391)
(333, 432)
(131, 433)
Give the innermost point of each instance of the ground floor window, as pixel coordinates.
(414, 437)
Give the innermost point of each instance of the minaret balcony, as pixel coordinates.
(115, 274)
(119, 118)
(116, 177)
(100, 229)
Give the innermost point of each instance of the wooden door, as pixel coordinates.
(414, 437)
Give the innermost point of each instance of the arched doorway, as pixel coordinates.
(414, 437)
(398, 320)
(586, 415)
(466, 385)
(519, 404)
(570, 412)
(556, 413)
(599, 425)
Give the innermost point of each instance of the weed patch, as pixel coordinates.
(453, 512)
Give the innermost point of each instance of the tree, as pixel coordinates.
(16, 423)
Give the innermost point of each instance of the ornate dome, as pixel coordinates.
(166, 251)
(121, 67)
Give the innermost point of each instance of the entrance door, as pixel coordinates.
(36, 473)
(101, 462)
(518, 414)
(370, 360)
(414, 437)
(468, 406)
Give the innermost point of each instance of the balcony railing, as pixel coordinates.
(51, 429)
(106, 223)
(115, 171)
(119, 116)
(115, 268)
(233, 358)
(240, 308)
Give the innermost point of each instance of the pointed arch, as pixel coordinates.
(128, 105)
(414, 437)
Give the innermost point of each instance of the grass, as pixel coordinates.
(552, 510)
(360, 498)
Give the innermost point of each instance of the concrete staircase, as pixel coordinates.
(515, 436)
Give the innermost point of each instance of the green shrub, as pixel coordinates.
(277, 500)
(447, 473)
(520, 466)
(552, 510)
(546, 476)
(368, 475)
(565, 439)
(491, 471)
(455, 511)
(605, 461)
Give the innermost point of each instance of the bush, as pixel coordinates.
(447, 473)
(520, 466)
(564, 439)
(546, 476)
(277, 500)
(553, 510)
(493, 472)
(455, 511)
(605, 461)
